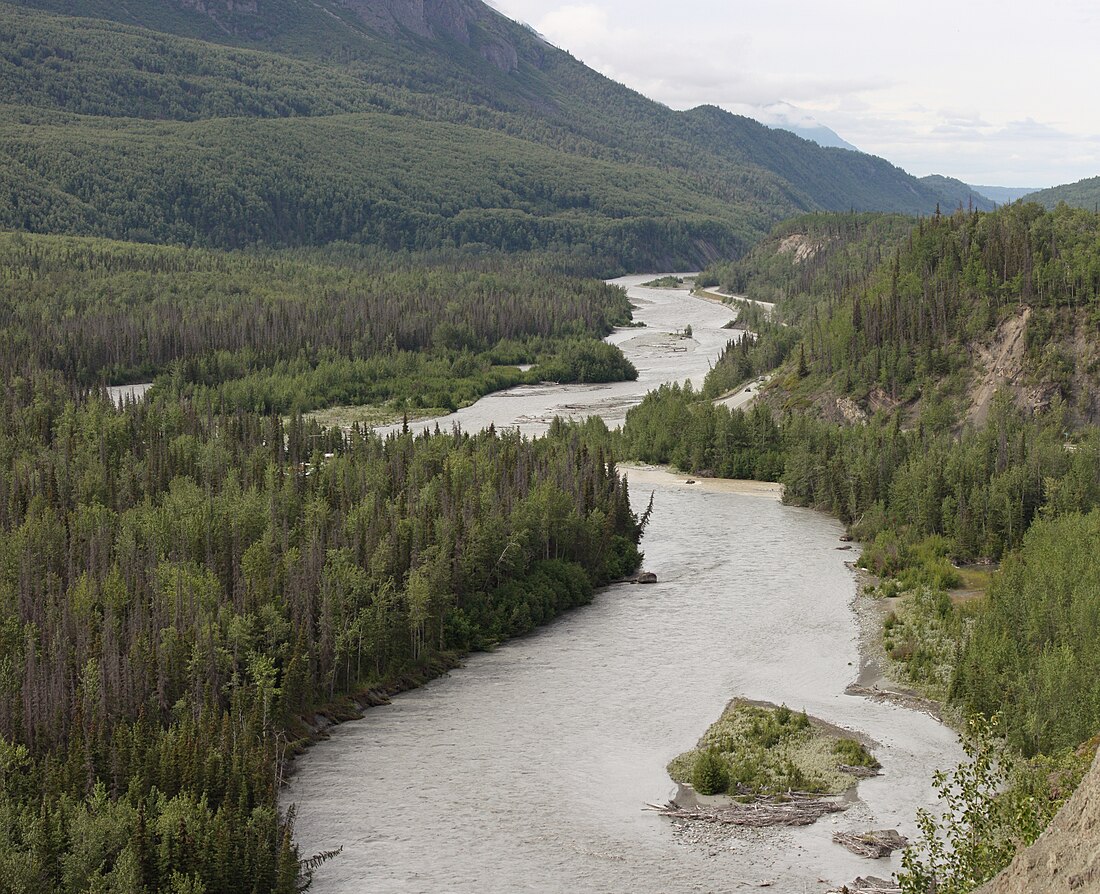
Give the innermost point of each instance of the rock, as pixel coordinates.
(646, 577)
(690, 481)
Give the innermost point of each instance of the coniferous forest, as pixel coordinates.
(282, 208)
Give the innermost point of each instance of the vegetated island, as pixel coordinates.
(664, 282)
(769, 766)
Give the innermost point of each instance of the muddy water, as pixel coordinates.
(528, 769)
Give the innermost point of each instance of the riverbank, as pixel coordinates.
(644, 475)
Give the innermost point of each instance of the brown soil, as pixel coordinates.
(1002, 363)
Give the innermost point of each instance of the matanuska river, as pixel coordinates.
(528, 769)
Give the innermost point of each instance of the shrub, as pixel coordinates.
(851, 753)
(710, 775)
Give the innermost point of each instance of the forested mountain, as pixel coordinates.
(958, 194)
(1082, 194)
(407, 126)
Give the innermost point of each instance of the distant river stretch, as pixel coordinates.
(529, 768)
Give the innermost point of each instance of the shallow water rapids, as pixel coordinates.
(528, 769)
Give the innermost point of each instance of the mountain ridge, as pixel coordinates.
(725, 179)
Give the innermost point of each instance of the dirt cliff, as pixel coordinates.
(1066, 857)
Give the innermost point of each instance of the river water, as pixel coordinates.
(529, 768)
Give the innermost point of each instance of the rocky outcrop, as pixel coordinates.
(1066, 857)
(469, 22)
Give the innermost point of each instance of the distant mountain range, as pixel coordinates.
(404, 125)
(1004, 195)
(797, 121)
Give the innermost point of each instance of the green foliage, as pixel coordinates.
(287, 333)
(710, 776)
(195, 581)
(1033, 646)
(854, 754)
(673, 425)
(1082, 194)
(754, 750)
(588, 361)
(993, 806)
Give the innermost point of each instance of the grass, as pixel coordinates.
(921, 634)
(756, 750)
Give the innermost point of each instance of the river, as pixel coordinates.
(528, 768)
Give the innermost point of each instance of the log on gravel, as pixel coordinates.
(873, 845)
(797, 810)
(869, 885)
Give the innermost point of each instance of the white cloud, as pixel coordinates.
(982, 90)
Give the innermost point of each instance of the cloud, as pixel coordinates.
(890, 78)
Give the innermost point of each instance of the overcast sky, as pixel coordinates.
(996, 93)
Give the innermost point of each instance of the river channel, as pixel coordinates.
(528, 769)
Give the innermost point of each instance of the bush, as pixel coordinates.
(852, 754)
(710, 775)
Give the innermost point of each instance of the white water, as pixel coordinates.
(527, 770)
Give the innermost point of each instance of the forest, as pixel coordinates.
(185, 580)
(291, 333)
(173, 578)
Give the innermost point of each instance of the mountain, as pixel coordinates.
(797, 121)
(410, 126)
(957, 193)
(1082, 194)
(1003, 195)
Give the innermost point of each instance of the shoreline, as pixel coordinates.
(874, 680)
(644, 474)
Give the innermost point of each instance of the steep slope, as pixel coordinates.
(577, 163)
(931, 317)
(1066, 857)
(1082, 194)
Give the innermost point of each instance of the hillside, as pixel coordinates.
(1082, 194)
(280, 123)
(958, 194)
(930, 317)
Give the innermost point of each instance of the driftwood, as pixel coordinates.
(869, 885)
(795, 810)
(875, 844)
(859, 772)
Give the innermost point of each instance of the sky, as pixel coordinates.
(994, 93)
